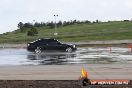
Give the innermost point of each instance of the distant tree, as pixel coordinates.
(71, 22)
(59, 24)
(51, 24)
(94, 22)
(126, 20)
(87, 21)
(97, 21)
(36, 24)
(39, 24)
(75, 21)
(20, 26)
(78, 22)
(43, 24)
(64, 23)
(28, 25)
(109, 21)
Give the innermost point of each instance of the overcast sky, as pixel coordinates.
(14, 11)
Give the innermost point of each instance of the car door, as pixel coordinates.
(60, 46)
(43, 44)
(53, 45)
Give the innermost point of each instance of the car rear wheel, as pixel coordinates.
(38, 50)
(69, 49)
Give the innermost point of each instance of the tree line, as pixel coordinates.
(51, 24)
(31, 30)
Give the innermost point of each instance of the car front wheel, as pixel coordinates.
(69, 49)
(38, 50)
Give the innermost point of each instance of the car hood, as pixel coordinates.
(72, 45)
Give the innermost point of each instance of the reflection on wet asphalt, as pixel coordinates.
(51, 58)
(15, 56)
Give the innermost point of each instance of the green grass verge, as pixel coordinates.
(76, 33)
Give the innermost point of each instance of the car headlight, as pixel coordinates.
(74, 46)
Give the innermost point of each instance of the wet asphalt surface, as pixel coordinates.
(85, 55)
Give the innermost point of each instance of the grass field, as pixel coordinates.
(76, 32)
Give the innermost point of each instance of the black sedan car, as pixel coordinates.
(49, 45)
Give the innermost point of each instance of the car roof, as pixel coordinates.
(45, 39)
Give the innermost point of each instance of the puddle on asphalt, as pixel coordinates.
(15, 56)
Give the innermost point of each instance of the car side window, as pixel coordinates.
(53, 43)
(41, 42)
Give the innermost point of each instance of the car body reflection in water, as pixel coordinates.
(85, 55)
(50, 58)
